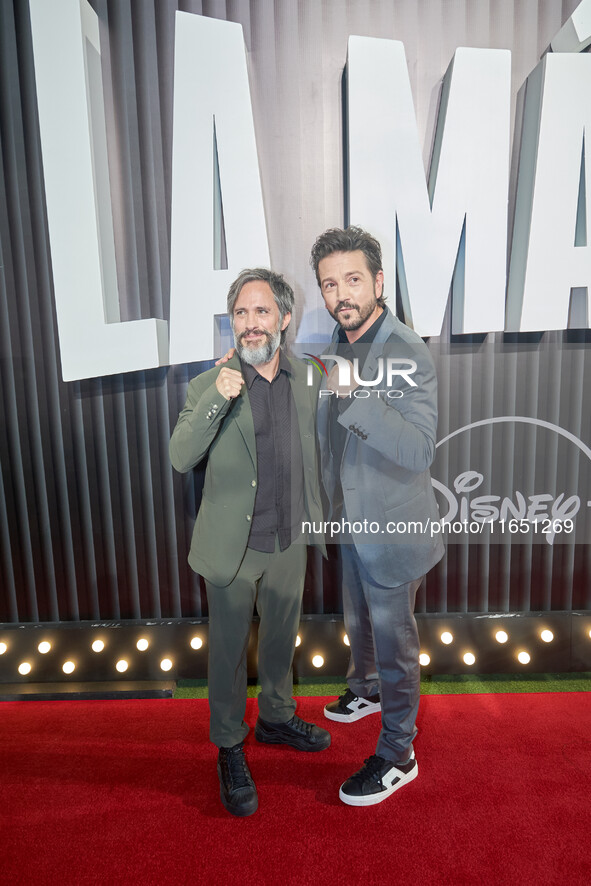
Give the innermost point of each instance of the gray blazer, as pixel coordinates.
(384, 471)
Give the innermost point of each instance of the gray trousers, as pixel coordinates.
(275, 584)
(384, 643)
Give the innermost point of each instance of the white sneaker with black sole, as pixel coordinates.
(377, 780)
(349, 707)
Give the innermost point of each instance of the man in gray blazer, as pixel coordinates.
(254, 420)
(377, 422)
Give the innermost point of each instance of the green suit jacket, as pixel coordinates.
(223, 430)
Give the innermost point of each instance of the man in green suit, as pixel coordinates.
(254, 420)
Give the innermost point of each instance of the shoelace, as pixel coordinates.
(237, 769)
(301, 725)
(346, 697)
(370, 768)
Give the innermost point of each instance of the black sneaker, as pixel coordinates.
(296, 733)
(376, 780)
(348, 707)
(237, 789)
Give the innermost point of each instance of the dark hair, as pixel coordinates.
(350, 239)
(282, 292)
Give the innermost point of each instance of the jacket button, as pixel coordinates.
(253, 483)
(248, 517)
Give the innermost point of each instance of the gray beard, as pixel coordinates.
(263, 353)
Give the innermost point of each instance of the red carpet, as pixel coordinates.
(117, 792)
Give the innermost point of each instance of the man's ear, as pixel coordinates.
(286, 321)
(379, 283)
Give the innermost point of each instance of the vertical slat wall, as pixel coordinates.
(94, 524)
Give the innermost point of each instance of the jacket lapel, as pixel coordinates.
(242, 415)
(302, 396)
(369, 370)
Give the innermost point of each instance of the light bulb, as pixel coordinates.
(424, 659)
(317, 661)
(447, 638)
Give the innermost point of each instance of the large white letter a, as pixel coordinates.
(213, 129)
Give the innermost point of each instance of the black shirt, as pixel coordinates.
(279, 501)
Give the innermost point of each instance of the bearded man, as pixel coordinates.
(377, 444)
(254, 420)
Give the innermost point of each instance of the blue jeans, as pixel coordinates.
(384, 644)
